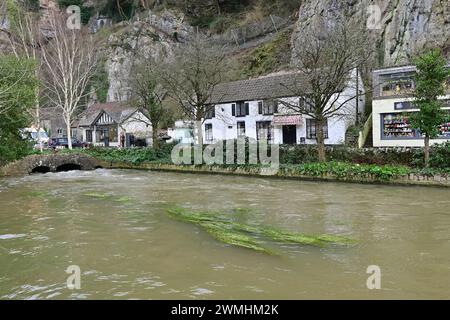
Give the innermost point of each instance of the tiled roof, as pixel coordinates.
(118, 111)
(268, 87)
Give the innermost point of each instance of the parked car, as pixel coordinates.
(35, 137)
(62, 143)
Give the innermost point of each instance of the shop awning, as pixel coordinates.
(287, 120)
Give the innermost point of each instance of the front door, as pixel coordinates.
(289, 134)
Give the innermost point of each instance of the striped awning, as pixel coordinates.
(291, 120)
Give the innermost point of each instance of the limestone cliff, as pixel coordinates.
(152, 36)
(400, 28)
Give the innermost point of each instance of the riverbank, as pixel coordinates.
(330, 172)
(148, 159)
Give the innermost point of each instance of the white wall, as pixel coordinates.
(224, 125)
(139, 125)
(381, 106)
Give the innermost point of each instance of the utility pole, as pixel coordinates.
(357, 95)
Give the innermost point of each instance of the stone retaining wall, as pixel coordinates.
(412, 179)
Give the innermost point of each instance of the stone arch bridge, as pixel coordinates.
(50, 163)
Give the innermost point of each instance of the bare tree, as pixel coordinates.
(70, 59)
(197, 69)
(148, 94)
(326, 55)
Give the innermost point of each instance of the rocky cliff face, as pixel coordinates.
(153, 36)
(400, 28)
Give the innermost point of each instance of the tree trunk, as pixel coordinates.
(155, 138)
(320, 141)
(38, 115)
(427, 152)
(69, 135)
(38, 128)
(198, 130)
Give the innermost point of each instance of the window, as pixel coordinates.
(113, 134)
(267, 107)
(404, 105)
(88, 135)
(241, 129)
(208, 132)
(264, 130)
(397, 84)
(240, 109)
(311, 129)
(210, 112)
(306, 104)
(397, 125)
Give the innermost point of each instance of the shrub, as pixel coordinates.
(132, 155)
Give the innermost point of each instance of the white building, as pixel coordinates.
(104, 124)
(392, 97)
(182, 132)
(252, 108)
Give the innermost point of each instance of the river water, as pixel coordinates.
(113, 224)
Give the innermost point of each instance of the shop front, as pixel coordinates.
(288, 126)
(392, 125)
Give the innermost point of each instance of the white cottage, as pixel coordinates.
(252, 108)
(103, 124)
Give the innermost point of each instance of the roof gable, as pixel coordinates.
(103, 118)
(116, 111)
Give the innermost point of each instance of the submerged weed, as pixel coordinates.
(224, 229)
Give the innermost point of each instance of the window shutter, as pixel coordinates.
(275, 107)
(260, 107)
(247, 108)
(233, 109)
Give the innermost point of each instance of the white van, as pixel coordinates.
(35, 136)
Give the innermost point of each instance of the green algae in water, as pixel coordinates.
(222, 234)
(40, 194)
(124, 200)
(224, 229)
(98, 195)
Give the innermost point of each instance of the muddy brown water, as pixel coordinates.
(113, 225)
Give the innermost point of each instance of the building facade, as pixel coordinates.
(392, 107)
(105, 124)
(52, 121)
(254, 108)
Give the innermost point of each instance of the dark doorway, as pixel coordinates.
(68, 167)
(129, 140)
(289, 134)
